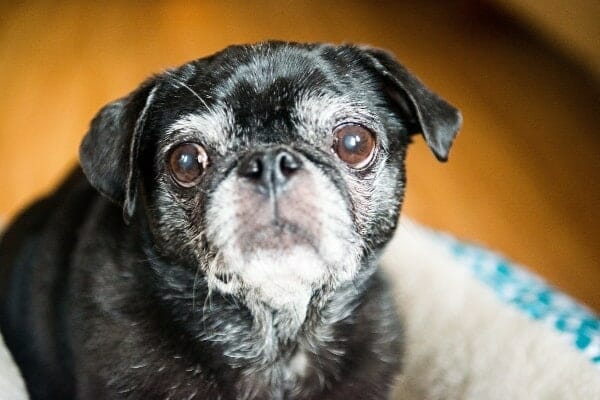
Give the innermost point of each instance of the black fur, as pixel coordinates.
(103, 291)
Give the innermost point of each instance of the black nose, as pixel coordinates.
(270, 169)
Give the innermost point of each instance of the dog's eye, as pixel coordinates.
(354, 144)
(187, 163)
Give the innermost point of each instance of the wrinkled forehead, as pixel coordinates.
(269, 98)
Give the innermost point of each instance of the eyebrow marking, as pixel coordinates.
(213, 128)
(316, 114)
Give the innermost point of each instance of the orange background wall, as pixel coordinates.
(522, 178)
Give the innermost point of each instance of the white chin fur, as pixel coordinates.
(284, 280)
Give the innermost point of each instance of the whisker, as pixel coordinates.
(183, 84)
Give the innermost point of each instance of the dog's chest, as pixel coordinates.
(284, 379)
(280, 372)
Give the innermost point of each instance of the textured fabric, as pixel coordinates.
(11, 384)
(478, 327)
(531, 295)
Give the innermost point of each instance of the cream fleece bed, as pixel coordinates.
(477, 327)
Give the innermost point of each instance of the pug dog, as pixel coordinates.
(220, 239)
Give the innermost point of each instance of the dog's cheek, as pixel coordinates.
(377, 198)
(387, 200)
(340, 244)
(176, 223)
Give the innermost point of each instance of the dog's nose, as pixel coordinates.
(270, 169)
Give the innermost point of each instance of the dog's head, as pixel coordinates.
(275, 170)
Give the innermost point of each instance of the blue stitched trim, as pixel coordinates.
(531, 295)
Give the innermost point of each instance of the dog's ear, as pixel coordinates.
(109, 151)
(425, 111)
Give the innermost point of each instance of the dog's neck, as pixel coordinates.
(253, 333)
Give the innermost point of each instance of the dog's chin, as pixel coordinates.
(279, 268)
(274, 263)
(283, 278)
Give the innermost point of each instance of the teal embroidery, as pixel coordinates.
(514, 285)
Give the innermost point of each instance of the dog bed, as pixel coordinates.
(477, 327)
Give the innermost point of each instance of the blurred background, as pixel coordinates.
(523, 176)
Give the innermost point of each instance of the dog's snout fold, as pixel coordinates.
(270, 169)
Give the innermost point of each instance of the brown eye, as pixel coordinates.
(354, 145)
(187, 163)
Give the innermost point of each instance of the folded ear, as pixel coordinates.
(109, 151)
(426, 112)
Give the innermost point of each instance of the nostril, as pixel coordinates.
(287, 163)
(269, 170)
(252, 167)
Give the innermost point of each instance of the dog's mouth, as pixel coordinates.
(255, 222)
(277, 234)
